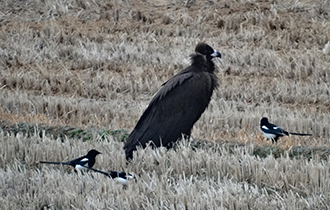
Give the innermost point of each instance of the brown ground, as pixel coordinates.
(121, 53)
(77, 67)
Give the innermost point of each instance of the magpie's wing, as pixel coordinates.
(80, 164)
(273, 129)
(118, 174)
(80, 161)
(121, 177)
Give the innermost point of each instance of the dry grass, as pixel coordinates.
(98, 63)
(173, 179)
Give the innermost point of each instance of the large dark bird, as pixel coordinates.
(83, 162)
(178, 105)
(273, 132)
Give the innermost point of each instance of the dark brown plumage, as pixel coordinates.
(178, 105)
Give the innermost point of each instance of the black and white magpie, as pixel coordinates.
(121, 177)
(86, 162)
(83, 162)
(273, 132)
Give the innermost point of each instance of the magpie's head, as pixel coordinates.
(206, 50)
(264, 121)
(93, 152)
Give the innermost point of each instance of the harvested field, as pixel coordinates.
(77, 75)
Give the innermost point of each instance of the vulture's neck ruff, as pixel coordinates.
(202, 63)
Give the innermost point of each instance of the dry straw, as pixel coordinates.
(93, 64)
(207, 177)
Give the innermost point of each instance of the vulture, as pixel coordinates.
(177, 105)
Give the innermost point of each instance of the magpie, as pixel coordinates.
(121, 177)
(273, 132)
(83, 162)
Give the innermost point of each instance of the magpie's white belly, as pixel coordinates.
(83, 162)
(269, 135)
(81, 168)
(121, 180)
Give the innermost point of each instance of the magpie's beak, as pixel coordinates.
(216, 54)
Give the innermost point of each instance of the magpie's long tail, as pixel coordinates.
(301, 134)
(98, 171)
(58, 163)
